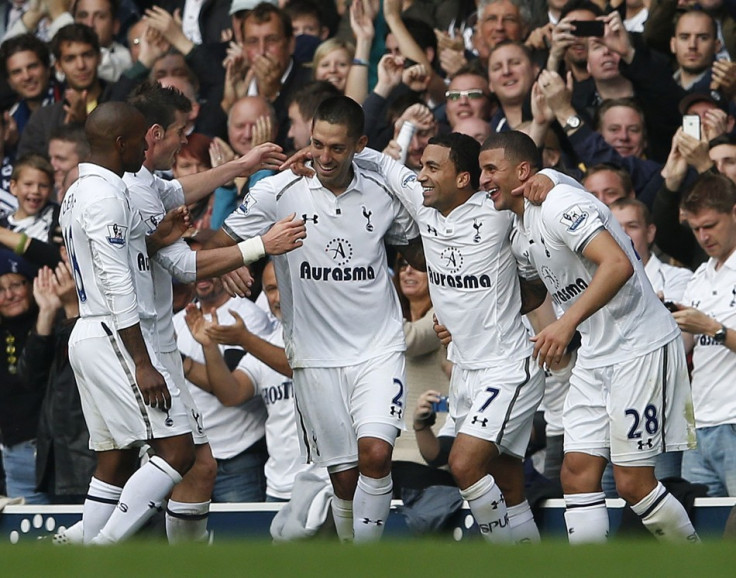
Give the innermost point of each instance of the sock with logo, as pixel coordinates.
(665, 517)
(141, 497)
(586, 518)
(521, 522)
(187, 522)
(342, 514)
(98, 507)
(489, 509)
(371, 505)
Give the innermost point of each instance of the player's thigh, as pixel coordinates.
(171, 360)
(378, 392)
(327, 434)
(498, 405)
(647, 404)
(584, 417)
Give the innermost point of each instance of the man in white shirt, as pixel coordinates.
(128, 397)
(101, 16)
(342, 324)
(629, 388)
(166, 113)
(708, 315)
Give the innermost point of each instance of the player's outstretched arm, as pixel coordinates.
(151, 383)
(614, 270)
(266, 156)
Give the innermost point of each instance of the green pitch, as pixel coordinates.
(395, 559)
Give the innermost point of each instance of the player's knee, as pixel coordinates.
(577, 477)
(633, 484)
(206, 468)
(374, 457)
(465, 472)
(180, 456)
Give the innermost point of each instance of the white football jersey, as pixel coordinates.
(339, 304)
(714, 365)
(472, 273)
(105, 240)
(231, 430)
(277, 391)
(153, 197)
(634, 321)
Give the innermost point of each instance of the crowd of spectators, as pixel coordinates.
(601, 86)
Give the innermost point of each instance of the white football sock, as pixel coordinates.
(665, 517)
(521, 521)
(187, 522)
(342, 513)
(102, 498)
(141, 497)
(371, 505)
(586, 518)
(489, 509)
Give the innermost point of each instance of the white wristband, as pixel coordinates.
(252, 250)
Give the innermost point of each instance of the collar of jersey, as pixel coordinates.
(355, 185)
(87, 169)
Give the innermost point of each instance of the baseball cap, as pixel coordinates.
(12, 263)
(690, 99)
(238, 5)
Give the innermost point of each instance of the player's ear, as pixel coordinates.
(524, 171)
(462, 180)
(156, 132)
(362, 142)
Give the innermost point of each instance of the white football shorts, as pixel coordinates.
(497, 404)
(334, 403)
(635, 410)
(112, 404)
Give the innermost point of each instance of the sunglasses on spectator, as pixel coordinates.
(473, 94)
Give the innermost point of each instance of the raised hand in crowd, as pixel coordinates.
(66, 288)
(198, 324)
(420, 116)
(542, 116)
(451, 52)
(715, 123)
(75, 106)
(693, 150)
(152, 47)
(227, 334)
(417, 78)
(170, 27)
(675, 168)
(560, 40)
(616, 37)
(47, 299)
(263, 130)
(724, 78)
(390, 71)
(540, 38)
(557, 93)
